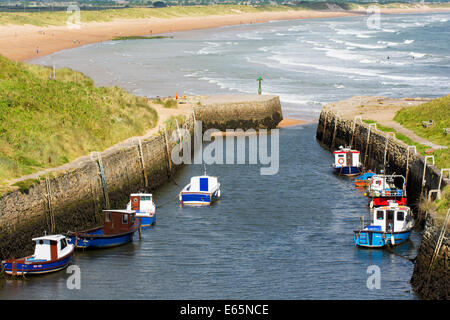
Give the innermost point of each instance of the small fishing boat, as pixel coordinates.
(346, 162)
(384, 189)
(51, 253)
(203, 190)
(391, 226)
(364, 180)
(143, 205)
(118, 228)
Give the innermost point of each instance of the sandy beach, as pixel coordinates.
(21, 43)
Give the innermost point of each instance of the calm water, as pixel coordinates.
(288, 236)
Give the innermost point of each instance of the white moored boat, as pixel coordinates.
(203, 190)
(145, 208)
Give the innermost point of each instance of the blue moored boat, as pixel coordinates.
(118, 228)
(346, 162)
(51, 253)
(391, 226)
(203, 190)
(143, 205)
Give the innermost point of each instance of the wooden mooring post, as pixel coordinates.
(138, 142)
(354, 130)
(48, 196)
(386, 147)
(407, 161)
(166, 140)
(367, 142)
(102, 176)
(424, 171)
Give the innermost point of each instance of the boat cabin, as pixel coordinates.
(202, 184)
(392, 218)
(50, 247)
(385, 186)
(141, 203)
(118, 221)
(345, 157)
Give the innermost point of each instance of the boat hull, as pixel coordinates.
(98, 240)
(147, 222)
(384, 201)
(379, 239)
(22, 267)
(198, 198)
(362, 183)
(347, 171)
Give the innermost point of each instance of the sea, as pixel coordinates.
(307, 62)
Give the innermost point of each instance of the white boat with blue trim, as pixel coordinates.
(392, 225)
(346, 162)
(145, 208)
(202, 190)
(51, 253)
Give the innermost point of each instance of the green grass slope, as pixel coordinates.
(45, 123)
(437, 110)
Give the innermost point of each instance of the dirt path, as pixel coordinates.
(382, 110)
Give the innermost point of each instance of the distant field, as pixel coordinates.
(45, 123)
(57, 18)
(60, 17)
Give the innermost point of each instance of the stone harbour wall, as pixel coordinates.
(428, 281)
(431, 279)
(334, 131)
(239, 112)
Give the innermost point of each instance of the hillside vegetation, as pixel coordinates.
(56, 18)
(46, 123)
(437, 110)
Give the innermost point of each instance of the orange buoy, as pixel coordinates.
(176, 96)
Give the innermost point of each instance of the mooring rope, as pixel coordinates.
(439, 242)
(167, 202)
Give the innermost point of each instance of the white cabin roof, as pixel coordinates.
(141, 194)
(120, 211)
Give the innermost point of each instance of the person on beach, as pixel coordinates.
(37, 50)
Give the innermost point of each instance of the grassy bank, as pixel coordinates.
(411, 118)
(45, 123)
(437, 110)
